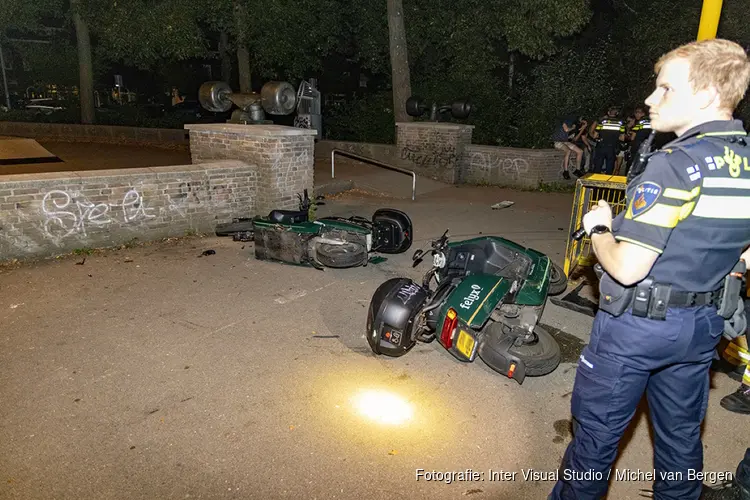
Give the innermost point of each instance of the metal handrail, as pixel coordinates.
(378, 163)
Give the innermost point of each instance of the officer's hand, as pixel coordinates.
(600, 214)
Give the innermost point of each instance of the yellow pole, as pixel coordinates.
(709, 19)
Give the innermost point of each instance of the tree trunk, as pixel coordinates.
(511, 71)
(400, 77)
(243, 67)
(243, 55)
(226, 61)
(85, 68)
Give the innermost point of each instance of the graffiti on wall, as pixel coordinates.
(495, 169)
(430, 150)
(440, 156)
(70, 213)
(67, 213)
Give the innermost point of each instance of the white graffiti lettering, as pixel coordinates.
(67, 214)
(495, 169)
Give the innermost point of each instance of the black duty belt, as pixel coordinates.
(652, 299)
(690, 299)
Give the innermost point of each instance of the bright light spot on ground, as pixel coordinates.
(383, 406)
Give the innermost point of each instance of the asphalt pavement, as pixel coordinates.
(159, 372)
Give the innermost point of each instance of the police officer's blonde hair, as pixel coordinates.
(717, 63)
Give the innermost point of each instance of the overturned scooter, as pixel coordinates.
(489, 297)
(290, 236)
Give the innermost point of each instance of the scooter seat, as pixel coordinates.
(288, 216)
(488, 256)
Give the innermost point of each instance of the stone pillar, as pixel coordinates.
(284, 157)
(433, 149)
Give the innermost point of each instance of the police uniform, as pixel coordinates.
(691, 205)
(609, 130)
(642, 129)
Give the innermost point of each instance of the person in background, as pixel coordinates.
(581, 139)
(638, 133)
(561, 140)
(608, 131)
(623, 147)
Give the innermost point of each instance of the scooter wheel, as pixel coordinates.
(558, 282)
(541, 356)
(340, 256)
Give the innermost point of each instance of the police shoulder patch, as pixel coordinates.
(644, 197)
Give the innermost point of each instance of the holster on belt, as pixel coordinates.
(614, 298)
(647, 299)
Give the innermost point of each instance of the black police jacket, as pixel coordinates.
(691, 205)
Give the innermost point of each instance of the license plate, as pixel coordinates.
(465, 344)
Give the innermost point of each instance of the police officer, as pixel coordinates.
(638, 134)
(665, 258)
(608, 132)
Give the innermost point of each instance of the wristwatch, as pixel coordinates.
(599, 229)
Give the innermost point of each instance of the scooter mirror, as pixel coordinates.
(417, 255)
(440, 242)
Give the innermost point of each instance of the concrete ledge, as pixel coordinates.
(250, 130)
(436, 125)
(107, 134)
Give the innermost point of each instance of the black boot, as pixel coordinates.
(565, 174)
(724, 492)
(739, 401)
(735, 372)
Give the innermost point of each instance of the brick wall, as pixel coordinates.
(68, 132)
(387, 153)
(432, 149)
(54, 213)
(512, 167)
(284, 157)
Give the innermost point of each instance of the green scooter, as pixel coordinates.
(290, 236)
(489, 297)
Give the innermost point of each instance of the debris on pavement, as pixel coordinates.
(208, 252)
(502, 204)
(243, 236)
(128, 259)
(81, 262)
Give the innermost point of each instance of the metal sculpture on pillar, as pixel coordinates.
(415, 106)
(308, 107)
(275, 98)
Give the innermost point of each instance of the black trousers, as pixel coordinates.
(604, 156)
